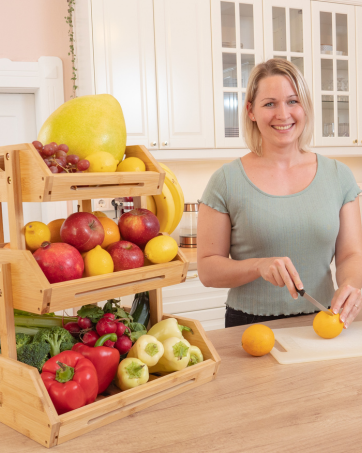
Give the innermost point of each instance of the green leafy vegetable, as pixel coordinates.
(92, 312)
(34, 354)
(113, 306)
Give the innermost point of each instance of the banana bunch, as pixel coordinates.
(169, 205)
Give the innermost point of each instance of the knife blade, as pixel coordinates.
(313, 301)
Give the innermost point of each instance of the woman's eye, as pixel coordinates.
(293, 101)
(268, 104)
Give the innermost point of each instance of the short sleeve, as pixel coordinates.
(215, 193)
(349, 187)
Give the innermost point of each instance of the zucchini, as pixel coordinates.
(140, 310)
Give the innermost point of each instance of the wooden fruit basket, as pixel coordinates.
(24, 402)
(38, 183)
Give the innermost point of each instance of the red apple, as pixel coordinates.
(139, 226)
(60, 262)
(125, 255)
(83, 231)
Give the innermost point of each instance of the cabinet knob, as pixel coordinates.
(164, 143)
(153, 144)
(355, 141)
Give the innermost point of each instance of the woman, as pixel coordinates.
(276, 217)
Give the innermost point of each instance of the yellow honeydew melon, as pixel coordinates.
(87, 124)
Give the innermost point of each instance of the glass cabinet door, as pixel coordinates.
(288, 33)
(334, 63)
(237, 47)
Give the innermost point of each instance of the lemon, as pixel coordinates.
(131, 164)
(161, 249)
(35, 234)
(101, 161)
(97, 262)
(99, 214)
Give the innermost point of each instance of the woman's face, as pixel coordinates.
(278, 112)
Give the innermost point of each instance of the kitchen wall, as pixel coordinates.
(31, 29)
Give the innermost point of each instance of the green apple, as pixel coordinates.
(88, 124)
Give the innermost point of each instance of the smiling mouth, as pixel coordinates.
(283, 128)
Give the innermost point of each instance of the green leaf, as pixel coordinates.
(134, 336)
(92, 312)
(136, 326)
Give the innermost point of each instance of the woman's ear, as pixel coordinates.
(250, 113)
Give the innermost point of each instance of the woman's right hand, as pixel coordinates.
(280, 271)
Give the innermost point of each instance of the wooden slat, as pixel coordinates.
(7, 326)
(14, 195)
(1, 225)
(25, 404)
(115, 407)
(140, 202)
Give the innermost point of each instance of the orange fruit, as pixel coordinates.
(7, 246)
(54, 227)
(111, 231)
(99, 214)
(258, 340)
(327, 326)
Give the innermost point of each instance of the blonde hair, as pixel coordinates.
(276, 66)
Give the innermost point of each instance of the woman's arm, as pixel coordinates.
(216, 269)
(348, 263)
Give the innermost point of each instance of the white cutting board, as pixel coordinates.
(302, 344)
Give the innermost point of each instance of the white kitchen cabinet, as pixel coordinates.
(155, 58)
(192, 299)
(288, 33)
(237, 43)
(359, 71)
(334, 74)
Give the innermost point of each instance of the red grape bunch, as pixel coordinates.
(56, 158)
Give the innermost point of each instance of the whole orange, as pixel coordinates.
(327, 326)
(258, 340)
(54, 227)
(111, 231)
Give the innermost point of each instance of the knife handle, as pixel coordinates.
(299, 291)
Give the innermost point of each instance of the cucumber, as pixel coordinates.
(140, 310)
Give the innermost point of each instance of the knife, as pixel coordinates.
(313, 301)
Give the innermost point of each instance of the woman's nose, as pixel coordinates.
(282, 111)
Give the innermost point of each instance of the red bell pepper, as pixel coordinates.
(105, 361)
(71, 381)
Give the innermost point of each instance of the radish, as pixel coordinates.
(111, 316)
(105, 325)
(84, 323)
(123, 344)
(109, 344)
(90, 338)
(121, 328)
(73, 328)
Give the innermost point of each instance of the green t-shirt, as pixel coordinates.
(303, 226)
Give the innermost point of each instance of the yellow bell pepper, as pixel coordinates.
(131, 373)
(176, 356)
(195, 356)
(147, 349)
(167, 328)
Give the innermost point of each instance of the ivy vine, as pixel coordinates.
(69, 21)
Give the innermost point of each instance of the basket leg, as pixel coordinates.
(7, 325)
(156, 307)
(86, 206)
(15, 205)
(140, 202)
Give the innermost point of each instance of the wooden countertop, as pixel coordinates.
(254, 405)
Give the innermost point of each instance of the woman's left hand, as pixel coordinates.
(350, 300)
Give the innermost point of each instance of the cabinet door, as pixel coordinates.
(237, 42)
(287, 33)
(334, 74)
(124, 63)
(184, 73)
(359, 72)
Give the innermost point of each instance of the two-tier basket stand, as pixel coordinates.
(24, 402)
